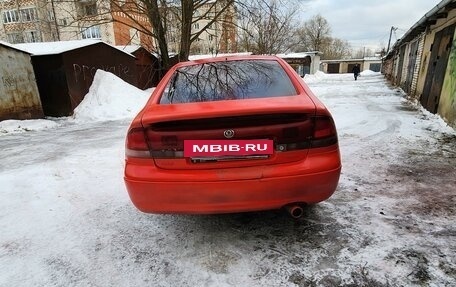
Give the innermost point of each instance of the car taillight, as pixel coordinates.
(136, 144)
(324, 133)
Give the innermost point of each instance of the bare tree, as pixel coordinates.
(175, 24)
(183, 21)
(363, 52)
(336, 49)
(314, 35)
(266, 26)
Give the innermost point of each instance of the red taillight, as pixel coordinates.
(136, 145)
(324, 133)
(324, 127)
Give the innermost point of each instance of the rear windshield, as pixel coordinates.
(232, 80)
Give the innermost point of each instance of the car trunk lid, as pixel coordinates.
(285, 120)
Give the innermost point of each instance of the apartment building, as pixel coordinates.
(114, 22)
(219, 37)
(28, 21)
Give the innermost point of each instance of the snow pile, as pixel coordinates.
(110, 98)
(317, 77)
(369, 73)
(18, 126)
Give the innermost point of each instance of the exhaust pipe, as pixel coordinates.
(294, 210)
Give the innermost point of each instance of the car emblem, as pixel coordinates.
(228, 134)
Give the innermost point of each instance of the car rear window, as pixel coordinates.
(230, 80)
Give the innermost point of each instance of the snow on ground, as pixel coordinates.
(66, 218)
(16, 126)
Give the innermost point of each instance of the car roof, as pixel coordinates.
(229, 58)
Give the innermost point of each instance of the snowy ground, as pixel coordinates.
(66, 219)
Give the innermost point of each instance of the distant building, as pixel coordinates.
(303, 63)
(30, 21)
(346, 65)
(26, 21)
(147, 66)
(220, 37)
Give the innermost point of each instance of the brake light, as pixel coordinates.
(324, 133)
(136, 144)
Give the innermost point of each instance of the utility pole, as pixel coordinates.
(389, 41)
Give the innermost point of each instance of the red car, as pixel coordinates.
(233, 134)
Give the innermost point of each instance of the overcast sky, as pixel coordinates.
(367, 23)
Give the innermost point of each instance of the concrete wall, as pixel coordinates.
(19, 98)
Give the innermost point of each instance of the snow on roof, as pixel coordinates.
(55, 48)
(129, 48)
(11, 46)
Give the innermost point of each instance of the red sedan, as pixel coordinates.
(234, 134)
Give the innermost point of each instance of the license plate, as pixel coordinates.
(227, 148)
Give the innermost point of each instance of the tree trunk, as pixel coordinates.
(155, 17)
(187, 16)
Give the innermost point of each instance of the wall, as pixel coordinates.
(429, 40)
(447, 104)
(19, 97)
(124, 27)
(148, 69)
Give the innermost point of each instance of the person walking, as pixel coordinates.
(356, 71)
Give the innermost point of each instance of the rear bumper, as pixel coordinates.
(309, 181)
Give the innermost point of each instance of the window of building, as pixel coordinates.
(28, 14)
(63, 22)
(15, 38)
(32, 36)
(51, 16)
(10, 16)
(90, 9)
(134, 37)
(91, 32)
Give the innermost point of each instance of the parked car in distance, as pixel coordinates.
(233, 134)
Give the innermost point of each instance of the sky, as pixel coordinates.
(368, 23)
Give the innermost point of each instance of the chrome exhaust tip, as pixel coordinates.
(295, 210)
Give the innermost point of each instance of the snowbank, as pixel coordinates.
(110, 98)
(369, 73)
(18, 126)
(317, 77)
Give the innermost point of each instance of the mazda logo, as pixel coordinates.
(228, 134)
